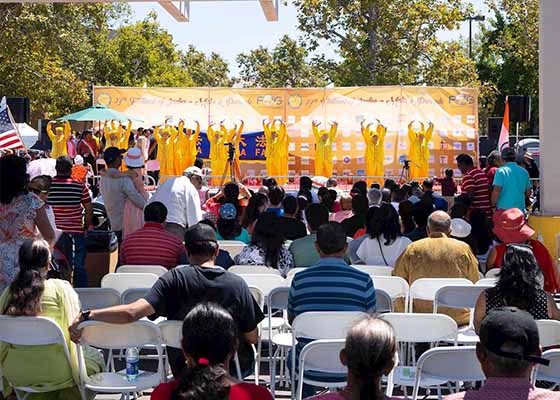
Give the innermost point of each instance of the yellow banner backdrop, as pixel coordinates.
(453, 111)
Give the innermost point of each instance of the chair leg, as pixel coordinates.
(272, 367)
(258, 361)
(238, 367)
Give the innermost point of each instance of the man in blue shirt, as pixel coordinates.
(511, 186)
(329, 285)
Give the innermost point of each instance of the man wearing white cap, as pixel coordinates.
(182, 200)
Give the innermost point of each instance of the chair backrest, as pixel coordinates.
(121, 282)
(488, 282)
(278, 298)
(96, 298)
(422, 328)
(552, 372)
(325, 324)
(384, 302)
(265, 282)
(450, 363)
(258, 295)
(453, 296)
(395, 286)
(549, 332)
(493, 273)
(171, 333)
(233, 247)
(143, 269)
(426, 288)
(292, 273)
(322, 355)
(253, 269)
(374, 270)
(129, 296)
(119, 336)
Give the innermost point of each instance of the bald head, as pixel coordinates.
(440, 222)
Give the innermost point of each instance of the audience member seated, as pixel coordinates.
(438, 256)
(232, 192)
(275, 196)
(405, 212)
(32, 294)
(288, 225)
(429, 195)
(520, 285)
(358, 219)
(209, 342)
(266, 247)
(303, 203)
(360, 186)
(384, 242)
(510, 227)
(228, 225)
(369, 354)
(152, 244)
(303, 250)
(258, 203)
(326, 199)
(345, 209)
(329, 285)
(386, 195)
(223, 259)
(181, 289)
(397, 196)
(420, 213)
(508, 350)
(461, 230)
(374, 196)
(306, 187)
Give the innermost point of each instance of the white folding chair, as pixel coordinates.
(383, 301)
(395, 286)
(33, 331)
(253, 269)
(233, 247)
(449, 364)
(426, 288)
(277, 300)
(143, 269)
(323, 356)
(260, 298)
(97, 298)
(417, 328)
(488, 282)
(453, 296)
(171, 335)
(292, 273)
(493, 273)
(374, 270)
(265, 282)
(116, 337)
(549, 373)
(318, 325)
(549, 332)
(129, 296)
(121, 282)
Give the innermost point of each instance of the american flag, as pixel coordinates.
(9, 137)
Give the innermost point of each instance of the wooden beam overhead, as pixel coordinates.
(270, 9)
(176, 12)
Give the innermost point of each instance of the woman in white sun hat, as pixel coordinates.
(133, 218)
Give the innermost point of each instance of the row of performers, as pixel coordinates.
(177, 146)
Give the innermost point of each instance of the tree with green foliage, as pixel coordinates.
(286, 65)
(205, 70)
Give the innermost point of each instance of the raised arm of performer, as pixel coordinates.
(381, 132)
(315, 129)
(50, 132)
(333, 131)
(429, 132)
(67, 131)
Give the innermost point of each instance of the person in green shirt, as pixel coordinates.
(303, 249)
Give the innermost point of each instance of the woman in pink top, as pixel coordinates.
(369, 354)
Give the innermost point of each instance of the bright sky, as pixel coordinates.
(233, 27)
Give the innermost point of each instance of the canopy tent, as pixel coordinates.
(28, 135)
(99, 112)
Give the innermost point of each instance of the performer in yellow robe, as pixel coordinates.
(218, 150)
(190, 149)
(235, 138)
(113, 135)
(274, 147)
(419, 155)
(323, 149)
(375, 150)
(179, 149)
(124, 135)
(164, 139)
(284, 154)
(59, 139)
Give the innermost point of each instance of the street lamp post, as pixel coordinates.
(478, 18)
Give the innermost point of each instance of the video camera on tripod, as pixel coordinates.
(231, 151)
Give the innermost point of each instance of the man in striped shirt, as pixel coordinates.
(69, 199)
(329, 285)
(152, 244)
(475, 183)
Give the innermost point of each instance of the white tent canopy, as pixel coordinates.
(28, 134)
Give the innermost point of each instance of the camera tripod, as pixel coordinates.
(232, 165)
(405, 172)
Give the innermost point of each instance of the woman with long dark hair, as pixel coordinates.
(258, 204)
(519, 285)
(369, 353)
(32, 294)
(385, 242)
(22, 216)
(209, 342)
(267, 247)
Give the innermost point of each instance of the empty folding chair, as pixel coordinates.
(34, 331)
(171, 335)
(488, 282)
(96, 298)
(374, 270)
(450, 364)
(394, 286)
(426, 288)
(265, 282)
(143, 269)
(233, 247)
(292, 273)
(383, 301)
(131, 295)
(277, 300)
(549, 332)
(121, 282)
(550, 373)
(253, 269)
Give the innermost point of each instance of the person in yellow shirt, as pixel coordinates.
(323, 148)
(419, 155)
(191, 150)
(165, 138)
(218, 150)
(375, 150)
(59, 138)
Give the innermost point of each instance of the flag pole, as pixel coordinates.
(15, 126)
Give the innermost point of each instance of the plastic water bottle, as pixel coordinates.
(132, 359)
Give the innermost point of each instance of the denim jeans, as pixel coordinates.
(73, 245)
